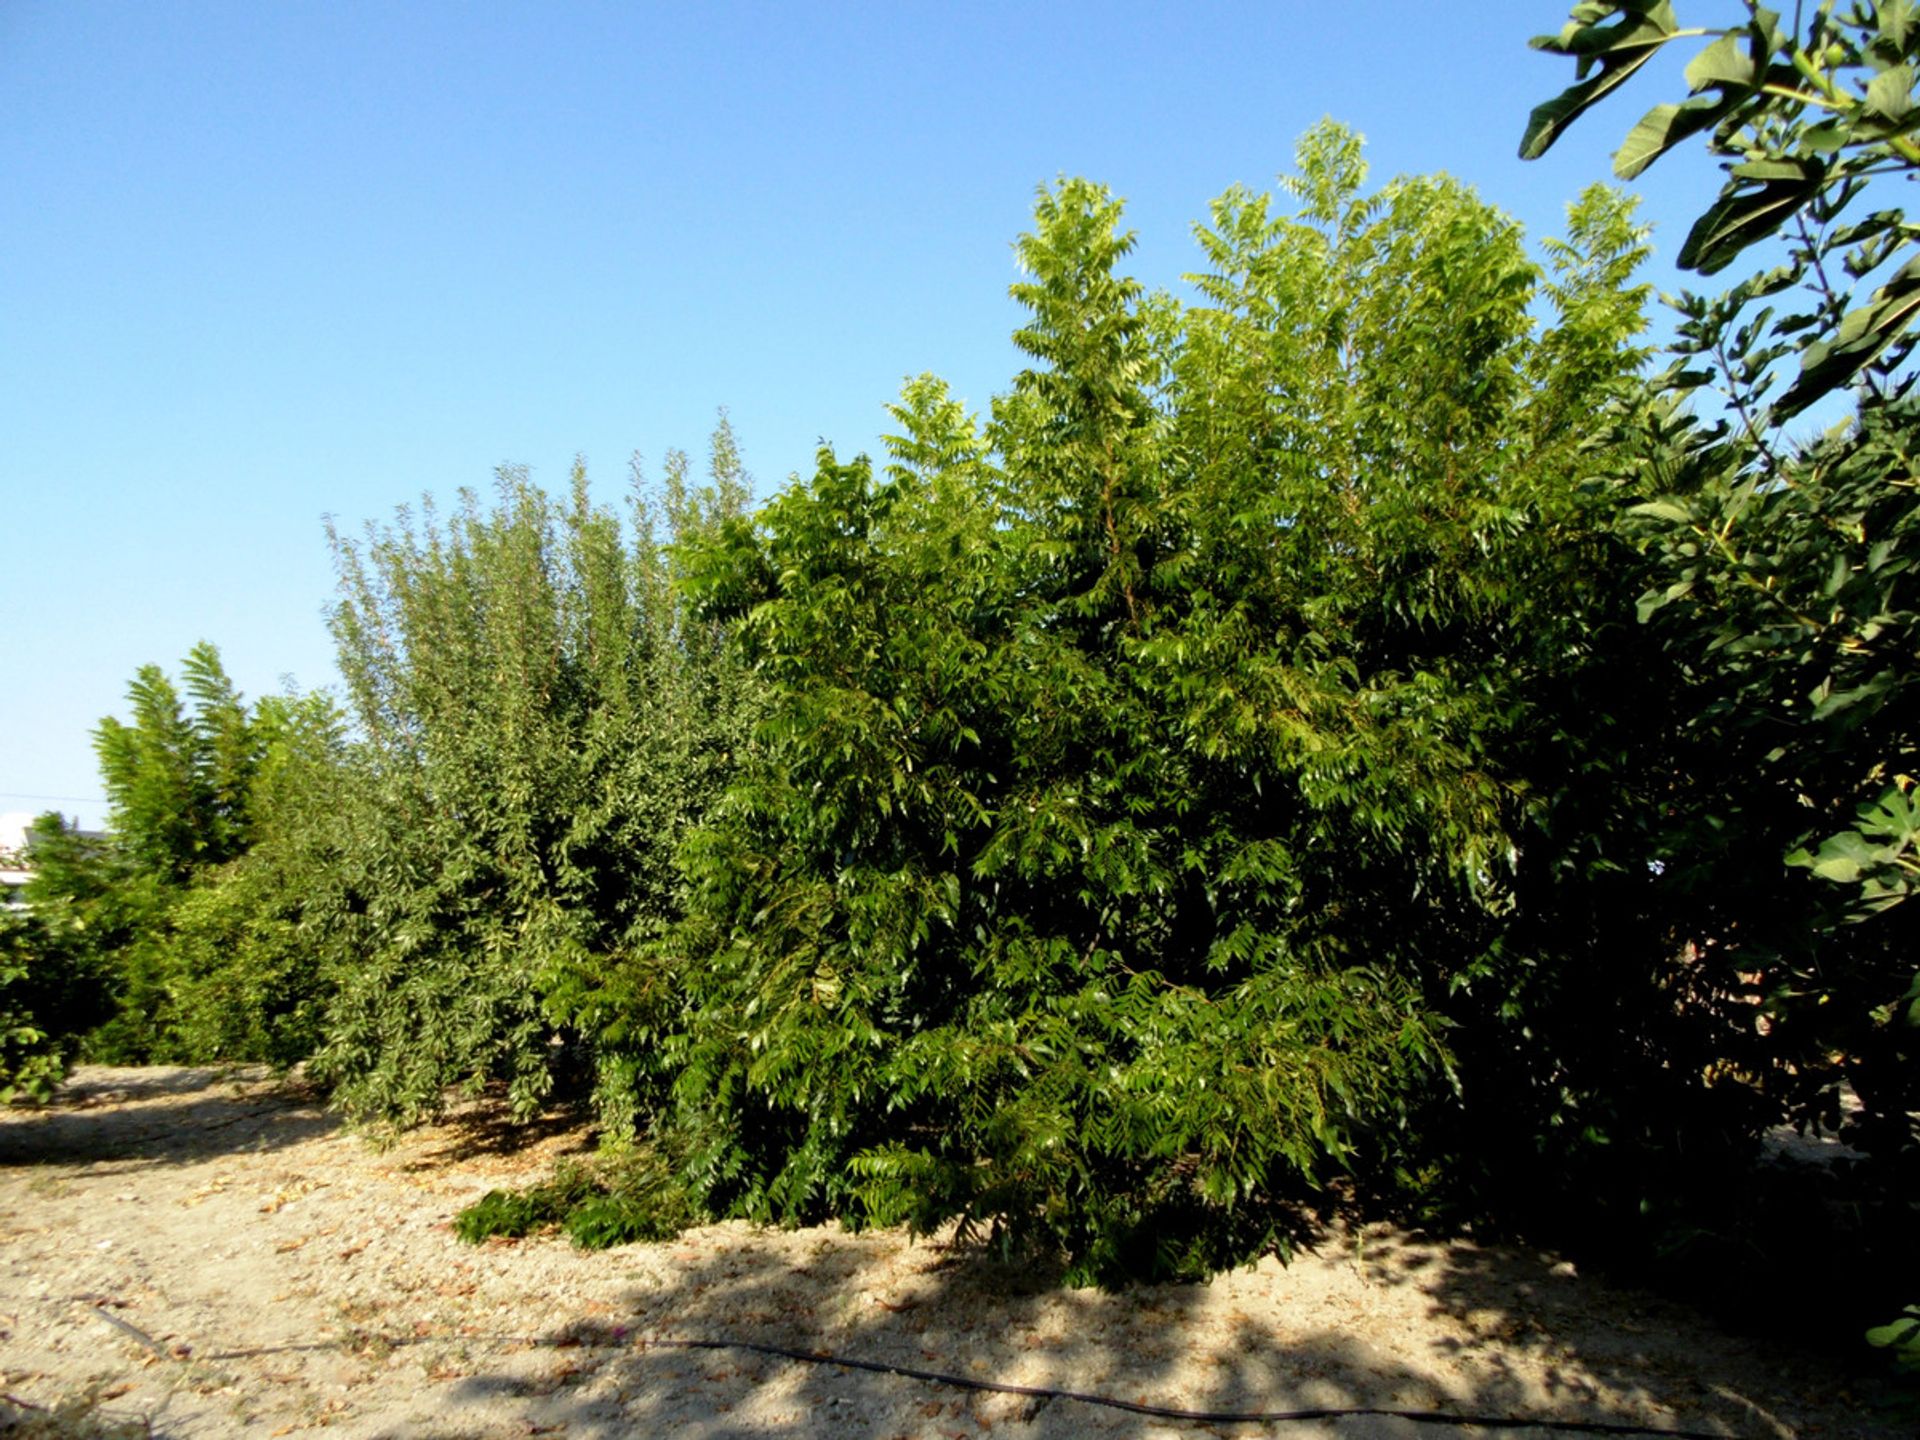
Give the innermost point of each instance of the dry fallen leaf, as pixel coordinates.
(207, 1191)
(295, 1190)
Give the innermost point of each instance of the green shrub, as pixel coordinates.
(540, 721)
(201, 914)
(54, 979)
(515, 1213)
(622, 1199)
(40, 1023)
(1144, 774)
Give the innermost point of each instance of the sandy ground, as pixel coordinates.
(214, 1253)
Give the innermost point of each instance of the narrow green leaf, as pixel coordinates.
(1788, 170)
(1664, 510)
(1846, 699)
(1837, 578)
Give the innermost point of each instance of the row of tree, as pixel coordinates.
(415, 887)
(1349, 724)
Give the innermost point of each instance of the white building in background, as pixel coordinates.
(16, 863)
(13, 845)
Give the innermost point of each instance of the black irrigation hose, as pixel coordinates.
(1083, 1397)
(1171, 1412)
(134, 1330)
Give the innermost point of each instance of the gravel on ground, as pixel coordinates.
(214, 1253)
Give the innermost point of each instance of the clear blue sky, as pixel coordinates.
(265, 262)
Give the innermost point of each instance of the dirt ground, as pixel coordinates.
(212, 1253)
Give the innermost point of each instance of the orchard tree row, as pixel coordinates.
(1362, 723)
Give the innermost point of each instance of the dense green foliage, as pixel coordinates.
(443, 893)
(1146, 771)
(540, 722)
(246, 941)
(51, 994)
(1781, 568)
(1781, 584)
(32, 1055)
(629, 1197)
(166, 925)
(1343, 726)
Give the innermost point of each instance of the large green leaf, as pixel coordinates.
(1619, 50)
(1587, 36)
(1890, 93)
(1664, 510)
(1841, 858)
(1726, 63)
(1864, 335)
(1662, 128)
(1745, 216)
(1903, 1334)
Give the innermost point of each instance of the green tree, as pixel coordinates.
(51, 993)
(248, 940)
(539, 721)
(1781, 565)
(202, 950)
(177, 781)
(1135, 799)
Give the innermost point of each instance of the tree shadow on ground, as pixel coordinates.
(1372, 1317)
(163, 1117)
(177, 1116)
(489, 1131)
(1380, 1321)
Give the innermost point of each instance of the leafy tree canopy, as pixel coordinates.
(1135, 789)
(1781, 575)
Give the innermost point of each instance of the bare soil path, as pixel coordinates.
(213, 1253)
